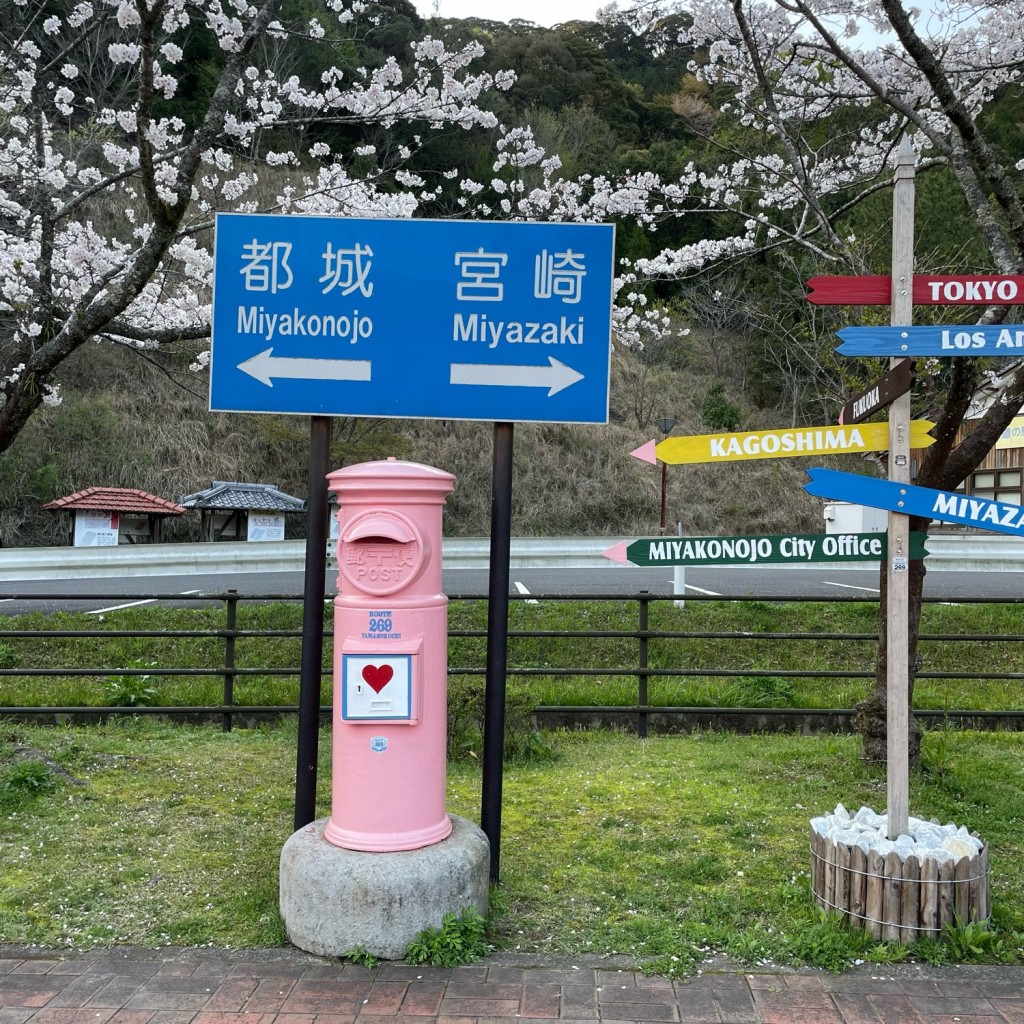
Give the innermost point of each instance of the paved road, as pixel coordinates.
(822, 581)
(284, 986)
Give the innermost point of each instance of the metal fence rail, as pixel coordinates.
(229, 636)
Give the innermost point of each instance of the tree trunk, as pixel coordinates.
(872, 713)
(945, 466)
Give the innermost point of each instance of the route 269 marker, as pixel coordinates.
(778, 444)
(911, 500)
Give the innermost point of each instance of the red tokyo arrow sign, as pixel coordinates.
(989, 290)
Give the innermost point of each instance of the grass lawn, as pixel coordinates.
(147, 833)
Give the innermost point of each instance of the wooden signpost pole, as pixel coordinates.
(897, 653)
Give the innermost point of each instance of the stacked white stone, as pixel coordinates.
(924, 839)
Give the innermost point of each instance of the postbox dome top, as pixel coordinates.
(391, 474)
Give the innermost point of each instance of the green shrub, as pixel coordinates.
(459, 940)
(466, 713)
(718, 412)
(8, 659)
(760, 692)
(130, 691)
(23, 781)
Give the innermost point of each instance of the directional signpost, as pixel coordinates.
(793, 549)
(472, 320)
(933, 341)
(989, 290)
(910, 500)
(890, 386)
(778, 444)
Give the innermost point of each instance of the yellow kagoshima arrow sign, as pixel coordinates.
(779, 444)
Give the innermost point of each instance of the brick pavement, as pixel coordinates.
(209, 986)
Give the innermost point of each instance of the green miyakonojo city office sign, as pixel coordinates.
(793, 548)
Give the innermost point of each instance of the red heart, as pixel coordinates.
(378, 676)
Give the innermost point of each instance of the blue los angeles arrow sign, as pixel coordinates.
(948, 506)
(932, 341)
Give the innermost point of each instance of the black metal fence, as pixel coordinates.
(229, 636)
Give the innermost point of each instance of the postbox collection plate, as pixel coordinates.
(376, 687)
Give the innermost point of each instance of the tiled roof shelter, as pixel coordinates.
(140, 514)
(223, 495)
(226, 507)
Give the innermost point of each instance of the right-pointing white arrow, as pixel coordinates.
(555, 377)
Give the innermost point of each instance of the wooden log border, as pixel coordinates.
(896, 900)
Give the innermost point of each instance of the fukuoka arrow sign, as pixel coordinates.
(932, 341)
(793, 549)
(947, 506)
(778, 444)
(898, 381)
(990, 290)
(474, 320)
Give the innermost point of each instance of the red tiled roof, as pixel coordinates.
(116, 499)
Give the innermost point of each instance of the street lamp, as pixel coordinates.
(665, 424)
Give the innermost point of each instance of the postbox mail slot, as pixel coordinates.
(381, 553)
(379, 529)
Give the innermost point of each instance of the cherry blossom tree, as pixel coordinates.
(831, 86)
(107, 196)
(106, 200)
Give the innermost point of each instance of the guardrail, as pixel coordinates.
(946, 552)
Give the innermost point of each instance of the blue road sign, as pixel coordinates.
(932, 341)
(948, 506)
(475, 320)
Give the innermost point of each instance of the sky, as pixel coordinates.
(543, 12)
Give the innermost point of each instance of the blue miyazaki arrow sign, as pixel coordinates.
(475, 320)
(947, 506)
(932, 341)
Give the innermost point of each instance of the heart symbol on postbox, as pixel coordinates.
(378, 676)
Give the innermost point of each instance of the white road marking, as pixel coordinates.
(700, 590)
(133, 604)
(119, 607)
(850, 586)
(522, 590)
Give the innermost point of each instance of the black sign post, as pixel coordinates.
(310, 670)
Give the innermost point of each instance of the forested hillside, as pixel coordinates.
(607, 102)
(717, 335)
(131, 424)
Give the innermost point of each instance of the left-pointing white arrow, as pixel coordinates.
(555, 377)
(265, 365)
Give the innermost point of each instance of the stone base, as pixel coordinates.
(333, 900)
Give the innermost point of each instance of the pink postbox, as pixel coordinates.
(390, 659)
